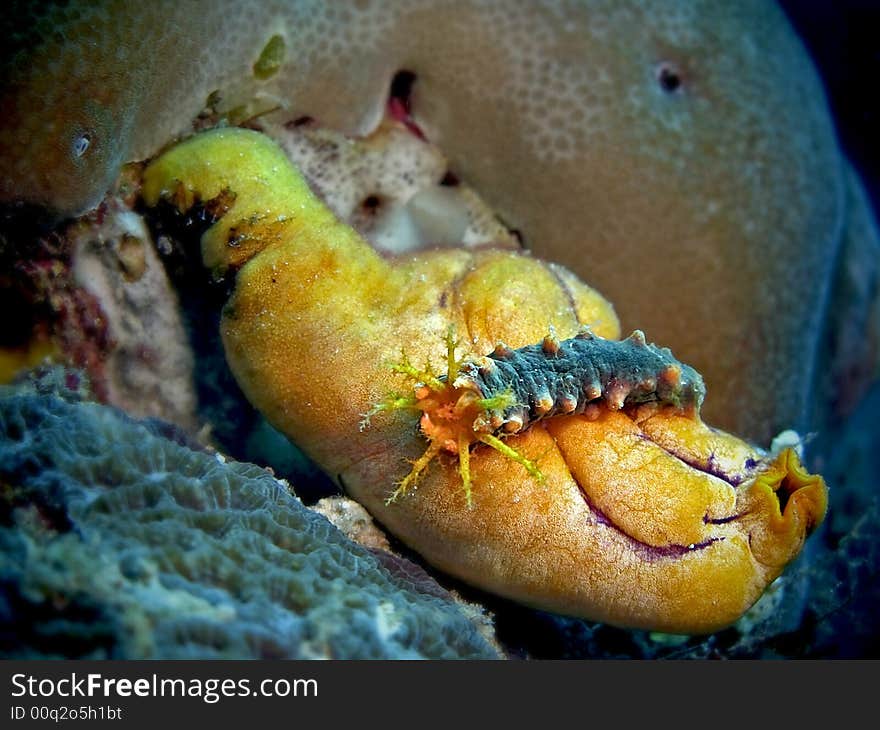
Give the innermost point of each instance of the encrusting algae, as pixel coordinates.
(632, 511)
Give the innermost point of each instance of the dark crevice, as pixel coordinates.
(669, 78)
(783, 494)
(402, 86)
(400, 101)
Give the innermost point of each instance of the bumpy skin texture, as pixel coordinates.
(680, 158)
(556, 377)
(645, 518)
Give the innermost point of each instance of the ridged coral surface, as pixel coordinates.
(116, 542)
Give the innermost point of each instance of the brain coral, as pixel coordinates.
(118, 543)
(681, 160)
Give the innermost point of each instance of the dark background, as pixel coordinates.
(843, 36)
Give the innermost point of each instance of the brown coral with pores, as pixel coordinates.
(609, 133)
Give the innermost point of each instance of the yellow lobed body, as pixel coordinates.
(620, 530)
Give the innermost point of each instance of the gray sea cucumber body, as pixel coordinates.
(552, 378)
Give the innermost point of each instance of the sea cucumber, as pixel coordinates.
(314, 319)
(566, 377)
(504, 392)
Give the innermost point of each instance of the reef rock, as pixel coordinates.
(148, 365)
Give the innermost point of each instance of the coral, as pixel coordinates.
(94, 294)
(53, 312)
(646, 517)
(391, 186)
(850, 352)
(15, 360)
(120, 543)
(354, 521)
(682, 161)
(148, 367)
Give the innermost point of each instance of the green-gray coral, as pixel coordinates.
(117, 542)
